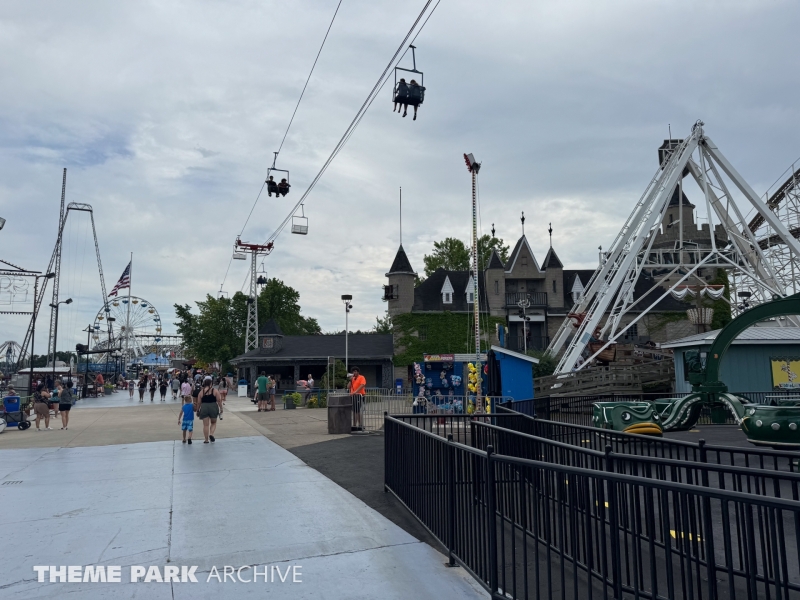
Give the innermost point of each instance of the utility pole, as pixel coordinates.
(523, 304)
(346, 298)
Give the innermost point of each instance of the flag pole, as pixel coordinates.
(128, 317)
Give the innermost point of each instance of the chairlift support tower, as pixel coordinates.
(610, 290)
(255, 250)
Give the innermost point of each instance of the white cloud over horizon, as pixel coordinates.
(166, 115)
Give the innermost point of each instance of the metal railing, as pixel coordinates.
(627, 443)
(527, 528)
(534, 342)
(578, 409)
(777, 483)
(535, 298)
(378, 404)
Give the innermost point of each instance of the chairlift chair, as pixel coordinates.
(413, 95)
(273, 187)
(239, 256)
(300, 224)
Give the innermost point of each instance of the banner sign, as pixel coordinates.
(439, 357)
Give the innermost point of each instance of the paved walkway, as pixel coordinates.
(100, 494)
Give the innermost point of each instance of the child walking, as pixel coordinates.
(186, 418)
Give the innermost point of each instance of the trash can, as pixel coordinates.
(242, 390)
(340, 412)
(288, 402)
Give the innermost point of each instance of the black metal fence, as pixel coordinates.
(625, 443)
(762, 482)
(528, 528)
(578, 409)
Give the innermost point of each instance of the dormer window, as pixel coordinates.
(471, 298)
(447, 291)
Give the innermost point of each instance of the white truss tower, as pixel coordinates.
(609, 299)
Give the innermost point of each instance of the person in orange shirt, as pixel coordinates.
(358, 386)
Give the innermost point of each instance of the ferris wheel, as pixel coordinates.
(135, 320)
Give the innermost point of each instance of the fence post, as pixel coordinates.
(613, 516)
(492, 521)
(451, 501)
(708, 533)
(385, 453)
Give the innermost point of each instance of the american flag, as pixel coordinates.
(124, 281)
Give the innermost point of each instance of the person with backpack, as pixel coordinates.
(210, 408)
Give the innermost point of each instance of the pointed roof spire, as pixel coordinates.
(494, 261)
(523, 223)
(550, 231)
(401, 263)
(551, 261)
(492, 229)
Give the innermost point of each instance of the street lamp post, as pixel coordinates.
(55, 333)
(346, 298)
(33, 325)
(523, 304)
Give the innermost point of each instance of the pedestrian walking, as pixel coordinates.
(223, 388)
(41, 406)
(153, 386)
(175, 384)
(142, 388)
(162, 389)
(309, 388)
(273, 385)
(186, 419)
(210, 409)
(186, 389)
(131, 386)
(262, 387)
(65, 402)
(358, 386)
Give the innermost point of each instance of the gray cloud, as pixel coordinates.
(166, 115)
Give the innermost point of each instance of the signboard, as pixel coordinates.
(439, 357)
(785, 372)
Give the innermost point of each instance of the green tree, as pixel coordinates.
(282, 302)
(216, 331)
(547, 363)
(454, 255)
(339, 377)
(383, 325)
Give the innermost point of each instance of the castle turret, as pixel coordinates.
(494, 278)
(399, 292)
(554, 279)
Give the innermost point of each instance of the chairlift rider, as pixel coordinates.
(400, 94)
(410, 94)
(272, 187)
(283, 187)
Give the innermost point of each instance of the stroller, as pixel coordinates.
(13, 414)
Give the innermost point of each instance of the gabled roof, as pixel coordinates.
(447, 286)
(428, 294)
(271, 327)
(401, 263)
(551, 261)
(512, 259)
(494, 261)
(361, 346)
(753, 335)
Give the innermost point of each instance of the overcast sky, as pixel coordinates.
(166, 115)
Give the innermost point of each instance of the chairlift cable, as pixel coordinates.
(381, 82)
(250, 214)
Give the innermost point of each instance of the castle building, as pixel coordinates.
(549, 290)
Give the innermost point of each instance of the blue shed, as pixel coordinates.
(760, 359)
(516, 373)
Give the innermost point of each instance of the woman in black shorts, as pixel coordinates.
(153, 386)
(65, 401)
(162, 389)
(142, 388)
(210, 408)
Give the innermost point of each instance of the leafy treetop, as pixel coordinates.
(453, 254)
